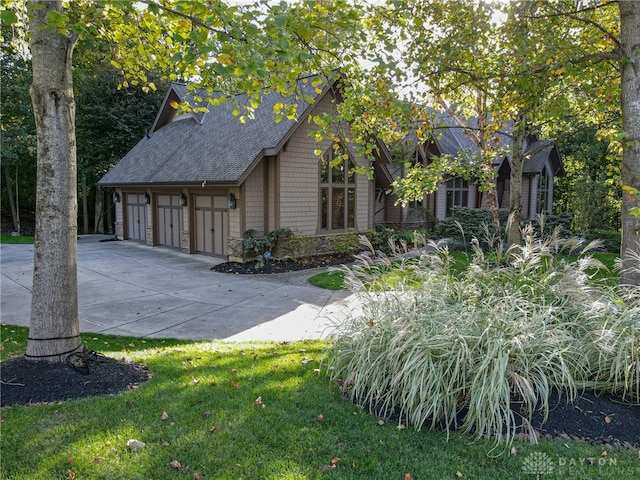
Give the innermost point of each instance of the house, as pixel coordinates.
(541, 165)
(199, 181)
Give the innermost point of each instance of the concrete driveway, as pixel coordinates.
(125, 288)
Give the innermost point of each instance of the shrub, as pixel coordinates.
(467, 223)
(383, 238)
(254, 246)
(346, 243)
(610, 239)
(482, 350)
(379, 237)
(412, 237)
(545, 225)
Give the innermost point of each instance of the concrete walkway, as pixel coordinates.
(125, 288)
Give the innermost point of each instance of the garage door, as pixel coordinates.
(212, 224)
(169, 220)
(136, 217)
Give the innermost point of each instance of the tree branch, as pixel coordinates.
(196, 21)
(575, 16)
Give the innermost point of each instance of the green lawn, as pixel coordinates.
(334, 280)
(216, 428)
(23, 239)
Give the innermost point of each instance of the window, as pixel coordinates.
(337, 191)
(542, 200)
(457, 194)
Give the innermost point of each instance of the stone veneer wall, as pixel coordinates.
(295, 247)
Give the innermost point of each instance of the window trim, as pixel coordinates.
(453, 189)
(327, 187)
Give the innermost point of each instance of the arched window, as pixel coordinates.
(337, 190)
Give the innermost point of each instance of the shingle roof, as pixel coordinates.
(543, 150)
(451, 139)
(214, 147)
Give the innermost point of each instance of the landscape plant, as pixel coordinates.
(482, 351)
(199, 417)
(260, 247)
(466, 223)
(383, 238)
(347, 242)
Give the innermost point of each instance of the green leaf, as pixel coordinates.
(8, 17)
(55, 18)
(280, 21)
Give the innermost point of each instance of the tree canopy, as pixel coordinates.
(518, 67)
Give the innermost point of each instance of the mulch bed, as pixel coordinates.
(283, 266)
(26, 382)
(596, 418)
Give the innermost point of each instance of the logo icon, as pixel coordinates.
(537, 463)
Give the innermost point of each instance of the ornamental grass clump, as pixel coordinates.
(481, 350)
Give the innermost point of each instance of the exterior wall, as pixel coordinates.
(119, 221)
(253, 204)
(364, 204)
(150, 223)
(272, 197)
(185, 233)
(299, 182)
(236, 223)
(393, 213)
(552, 188)
(473, 196)
(441, 201)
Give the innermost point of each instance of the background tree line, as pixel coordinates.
(110, 120)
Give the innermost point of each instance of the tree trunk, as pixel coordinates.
(85, 207)
(54, 327)
(489, 198)
(630, 169)
(98, 222)
(15, 216)
(514, 235)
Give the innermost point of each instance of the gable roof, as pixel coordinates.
(452, 138)
(214, 147)
(543, 151)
